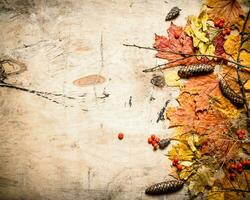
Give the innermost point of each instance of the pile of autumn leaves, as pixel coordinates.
(205, 121)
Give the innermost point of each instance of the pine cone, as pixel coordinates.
(195, 70)
(173, 13)
(164, 143)
(164, 187)
(231, 95)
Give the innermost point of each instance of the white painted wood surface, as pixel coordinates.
(48, 151)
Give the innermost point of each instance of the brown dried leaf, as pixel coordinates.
(230, 10)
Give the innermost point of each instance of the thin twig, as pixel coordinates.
(229, 180)
(186, 54)
(246, 180)
(232, 190)
(164, 65)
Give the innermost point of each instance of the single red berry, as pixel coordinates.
(244, 163)
(174, 163)
(224, 32)
(240, 170)
(154, 143)
(150, 140)
(222, 20)
(232, 176)
(153, 136)
(228, 31)
(179, 167)
(120, 136)
(157, 139)
(221, 25)
(175, 160)
(155, 146)
(241, 137)
(216, 23)
(239, 165)
(233, 166)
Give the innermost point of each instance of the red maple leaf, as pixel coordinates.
(218, 42)
(177, 41)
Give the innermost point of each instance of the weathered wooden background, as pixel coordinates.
(70, 150)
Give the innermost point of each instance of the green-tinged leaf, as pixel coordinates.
(186, 173)
(202, 179)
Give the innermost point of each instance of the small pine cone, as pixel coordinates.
(231, 95)
(164, 143)
(173, 13)
(195, 70)
(158, 81)
(165, 187)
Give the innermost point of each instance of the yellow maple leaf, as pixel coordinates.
(247, 86)
(186, 173)
(171, 78)
(245, 58)
(232, 45)
(182, 151)
(196, 29)
(225, 106)
(246, 46)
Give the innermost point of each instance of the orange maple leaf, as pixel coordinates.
(194, 113)
(203, 88)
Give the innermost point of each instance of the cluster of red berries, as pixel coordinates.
(219, 22)
(241, 134)
(238, 167)
(154, 141)
(176, 163)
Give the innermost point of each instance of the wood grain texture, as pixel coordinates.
(70, 150)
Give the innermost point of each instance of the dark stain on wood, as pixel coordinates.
(161, 113)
